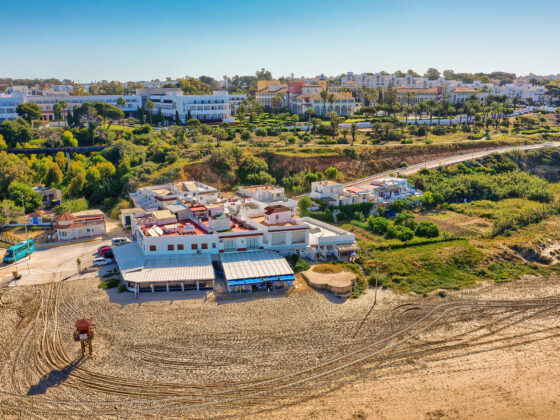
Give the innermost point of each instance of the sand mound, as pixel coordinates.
(340, 284)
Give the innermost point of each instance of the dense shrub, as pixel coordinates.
(427, 230)
(378, 225)
(399, 232)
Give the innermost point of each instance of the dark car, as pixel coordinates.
(104, 250)
(108, 254)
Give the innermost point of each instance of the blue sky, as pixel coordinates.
(139, 40)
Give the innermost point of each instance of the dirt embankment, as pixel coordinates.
(368, 160)
(371, 160)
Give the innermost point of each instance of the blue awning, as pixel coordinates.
(287, 278)
(253, 281)
(236, 283)
(274, 278)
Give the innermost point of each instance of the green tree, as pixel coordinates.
(304, 204)
(353, 132)
(29, 111)
(378, 225)
(32, 200)
(16, 131)
(54, 175)
(427, 230)
(68, 139)
(331, 172)
(432, 74)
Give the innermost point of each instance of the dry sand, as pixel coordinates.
(490, 352)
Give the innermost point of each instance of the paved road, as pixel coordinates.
(445, 161)
(52, 264)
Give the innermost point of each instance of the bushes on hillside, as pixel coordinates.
(427, 230)
(399, 232)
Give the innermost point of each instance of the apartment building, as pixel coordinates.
(378, 191)
(186, 245)
(157, 197)
(47, 101)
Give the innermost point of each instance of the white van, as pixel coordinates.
(120, 241)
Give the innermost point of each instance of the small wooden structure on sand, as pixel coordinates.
(84, 333)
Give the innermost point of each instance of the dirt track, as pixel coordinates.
(285, 357)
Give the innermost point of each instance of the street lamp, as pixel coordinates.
(26, 232)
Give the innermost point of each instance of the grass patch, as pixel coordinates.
(327, 268)
(109, 284)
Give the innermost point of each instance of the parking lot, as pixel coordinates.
(53, 264)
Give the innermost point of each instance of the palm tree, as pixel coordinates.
(324, 96)
(430, 107)
(418, 111)
(409, 96)
(331, 99)
(353, 131)
(149, 106)
(407, 109)
(277, 101)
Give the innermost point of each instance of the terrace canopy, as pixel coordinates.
(255, 267)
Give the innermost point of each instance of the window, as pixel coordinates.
(214, 245)
(194, 246)
(170, 247)
(180, 247)
(152, 248)
(204, 246)
(252, 243)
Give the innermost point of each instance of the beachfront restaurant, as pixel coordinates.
(252, 271)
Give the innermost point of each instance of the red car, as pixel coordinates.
(103, 249)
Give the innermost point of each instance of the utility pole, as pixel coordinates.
(26, 233)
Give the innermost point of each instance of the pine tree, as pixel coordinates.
(69, 119)
(177, 118)
(189, 115)
(140, 115)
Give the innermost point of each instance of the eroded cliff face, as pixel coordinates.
(368, 161)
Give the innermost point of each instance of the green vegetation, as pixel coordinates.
(109, 283)
(424, 256)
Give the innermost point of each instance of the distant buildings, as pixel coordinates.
(217, 107)
(298, 96)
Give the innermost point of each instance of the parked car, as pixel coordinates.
(102, 249)
(120, 241)
(106, 250)
(101, 261)
(108, 254)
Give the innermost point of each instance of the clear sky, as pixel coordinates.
(143, 40)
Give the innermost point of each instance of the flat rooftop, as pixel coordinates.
(261, 220)
(254, 264)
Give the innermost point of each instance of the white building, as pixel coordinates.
(257, 197)
(9, 103)
(81, 225)
(218, 107)
(158, 196)
(378, 191)
(179, 246)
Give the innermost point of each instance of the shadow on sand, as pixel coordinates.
(54, 378)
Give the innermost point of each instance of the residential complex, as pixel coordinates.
(187, 237)
(217, 107)
(298, 96)
(381, 191)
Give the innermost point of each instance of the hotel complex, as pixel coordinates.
(186, 237)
